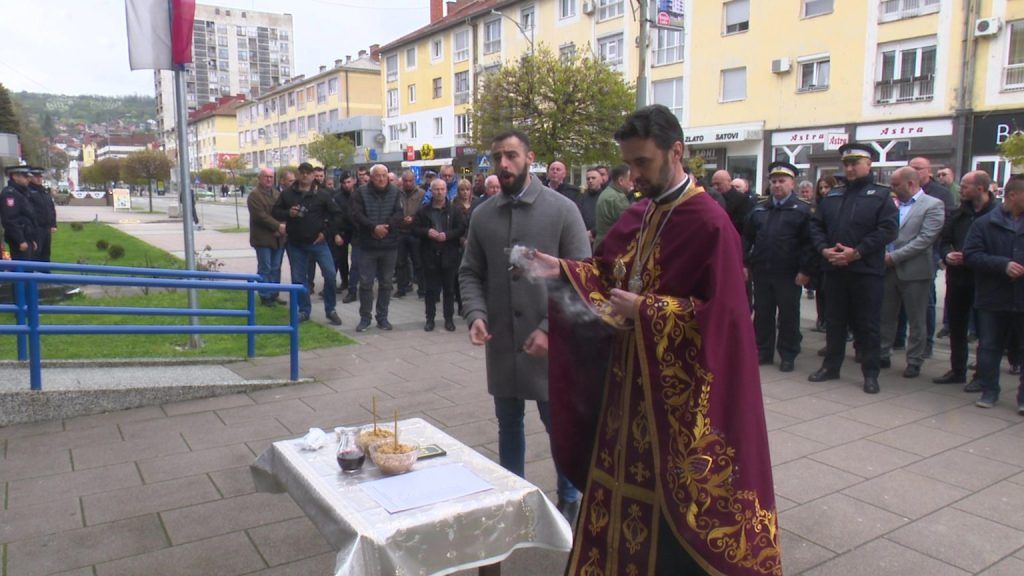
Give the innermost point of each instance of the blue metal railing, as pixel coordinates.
(25, 277)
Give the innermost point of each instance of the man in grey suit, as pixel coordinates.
(910, 267)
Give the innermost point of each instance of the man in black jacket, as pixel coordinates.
(777, 253)
(307, 211)
(737, 204)
(850, 230)
(17, 216)
(440, 230)
(976, 202)
(46, 212)
(377, 214)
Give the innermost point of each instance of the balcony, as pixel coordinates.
(900, 91)
(1013, 78)
(890, 10)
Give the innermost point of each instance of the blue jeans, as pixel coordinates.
(268, 266)
(512, 440)
(994, 331)
(298, 259)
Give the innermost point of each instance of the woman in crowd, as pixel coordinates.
(440, 230)
(464, 203)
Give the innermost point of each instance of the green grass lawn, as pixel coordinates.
(233, 230)
(73, 246)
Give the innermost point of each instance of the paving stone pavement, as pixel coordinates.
(912, 481)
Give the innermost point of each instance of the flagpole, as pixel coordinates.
(185, 183)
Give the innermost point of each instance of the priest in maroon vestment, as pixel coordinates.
(655, 393)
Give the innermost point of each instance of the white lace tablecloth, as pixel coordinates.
(468, 532)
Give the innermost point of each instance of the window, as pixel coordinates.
(462, 124)
(321, 92)
(567, 52)
(393, 132)
(300, 99)
(332, 116)
(311, 123)
(438, 126)
(291, 126)
(528, 17)
(283, 130)
(734, 84)
(412, 93)
(332, 86)
(412, 129)
(391, 64)
(321, 121)
(437, 87)
(906, 72)
(222, 53)
(436, 49)
(393, 102)
(814, 8)
(566, 9)
(669, 93)
(609, 49)
(668, 47)
(461, 46)
(410, 58)
(737, 16)
(608, 9)
(461, 87)
(814, 73)
(492, 36)
(1013, 73)
(890, 10)
(302, 126)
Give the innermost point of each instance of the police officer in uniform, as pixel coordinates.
(17, 216)
(778, 255)
(45, 210)
(850, 230)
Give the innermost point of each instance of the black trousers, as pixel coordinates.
(409, 252)
(777, 292)
(672, 558)
(340, 254)
(441, 282)
(854, 301)
(45, 241)
(28, 254)
(959, 303)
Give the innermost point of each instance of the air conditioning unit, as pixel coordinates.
(780, 65)
(987, 26)
(588, 7)
(403, 126)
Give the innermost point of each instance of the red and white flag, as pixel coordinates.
(159, 33)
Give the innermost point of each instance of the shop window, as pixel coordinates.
(737, 16)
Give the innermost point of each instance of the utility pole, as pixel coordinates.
(642, 41)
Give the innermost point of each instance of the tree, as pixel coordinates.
(8, 118)
(102, 172)
(569, 107)
(147, 166)
(213, 176)
(331, 149)
(1013, 149)
(232, 164)
(49, 130)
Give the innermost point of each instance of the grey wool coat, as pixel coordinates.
(512, 306)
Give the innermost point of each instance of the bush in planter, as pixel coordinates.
(77, 226)
(115, 251)
(102, 244)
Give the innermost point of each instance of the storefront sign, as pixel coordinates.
(410, 153)
(725, 134)
(835, 140)
(812, 136)
(991, 130)
(917, 129)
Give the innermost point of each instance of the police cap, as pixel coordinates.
(16, 170)
(782, 169)
(856, 150)
(35, 170)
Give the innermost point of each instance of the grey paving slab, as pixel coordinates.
(226, 435)
(1002, 447)
(55, 515)
(205, 404)
(228, 515)
(1000, 502)
(907, 494)
(128, 451)
(884, 558)
(1009, 567)
(35, 464)
(832, 430)
(140, 500)
(806, 407)
(61, 440)
(815, 521)
(920, 440)
(78, 483)
(117, 417)
(865, 458)
(804, 480)
(785, 446)
(964, 469)
(799, 554)
(968, 421)
(227, 555)
(288, 541)
(322, 564)
(233, 481)
(192, 463)
(964, 540)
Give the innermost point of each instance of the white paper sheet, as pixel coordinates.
(425, 487)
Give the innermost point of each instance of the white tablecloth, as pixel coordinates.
(467, 532)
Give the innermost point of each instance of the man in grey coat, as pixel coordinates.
(910, 267)
(505, 311)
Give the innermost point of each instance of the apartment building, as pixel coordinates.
(233, 52)
(213, 133)
(275, 127)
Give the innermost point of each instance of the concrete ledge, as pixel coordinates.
(22, 406)
(124, 362)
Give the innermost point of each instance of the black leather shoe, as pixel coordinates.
(571, 510)
(823, 374)
(303, 317)
(885, 362)
(362, 326)
(384, 325)
(763, 360)
(899, 346)
(950, 378)
(973, 386)
(871, 385)
(350, 297)
(428, 326)
(786, 366)
(912, 371)
(449, 325)
(334, 319)
(400, 294)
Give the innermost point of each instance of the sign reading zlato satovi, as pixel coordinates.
(706, 136)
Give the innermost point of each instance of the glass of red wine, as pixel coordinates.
(350, 456)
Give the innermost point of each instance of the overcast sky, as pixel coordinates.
(81, 46)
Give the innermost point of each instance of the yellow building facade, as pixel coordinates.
(213, 133)
(275, 128)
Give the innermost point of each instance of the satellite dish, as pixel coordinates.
(380, 139)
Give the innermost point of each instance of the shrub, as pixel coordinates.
(116, 251)
(102, 244)
(77, 226)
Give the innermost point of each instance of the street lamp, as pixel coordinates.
(529, 37)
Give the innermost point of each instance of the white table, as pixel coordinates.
(475, 531)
